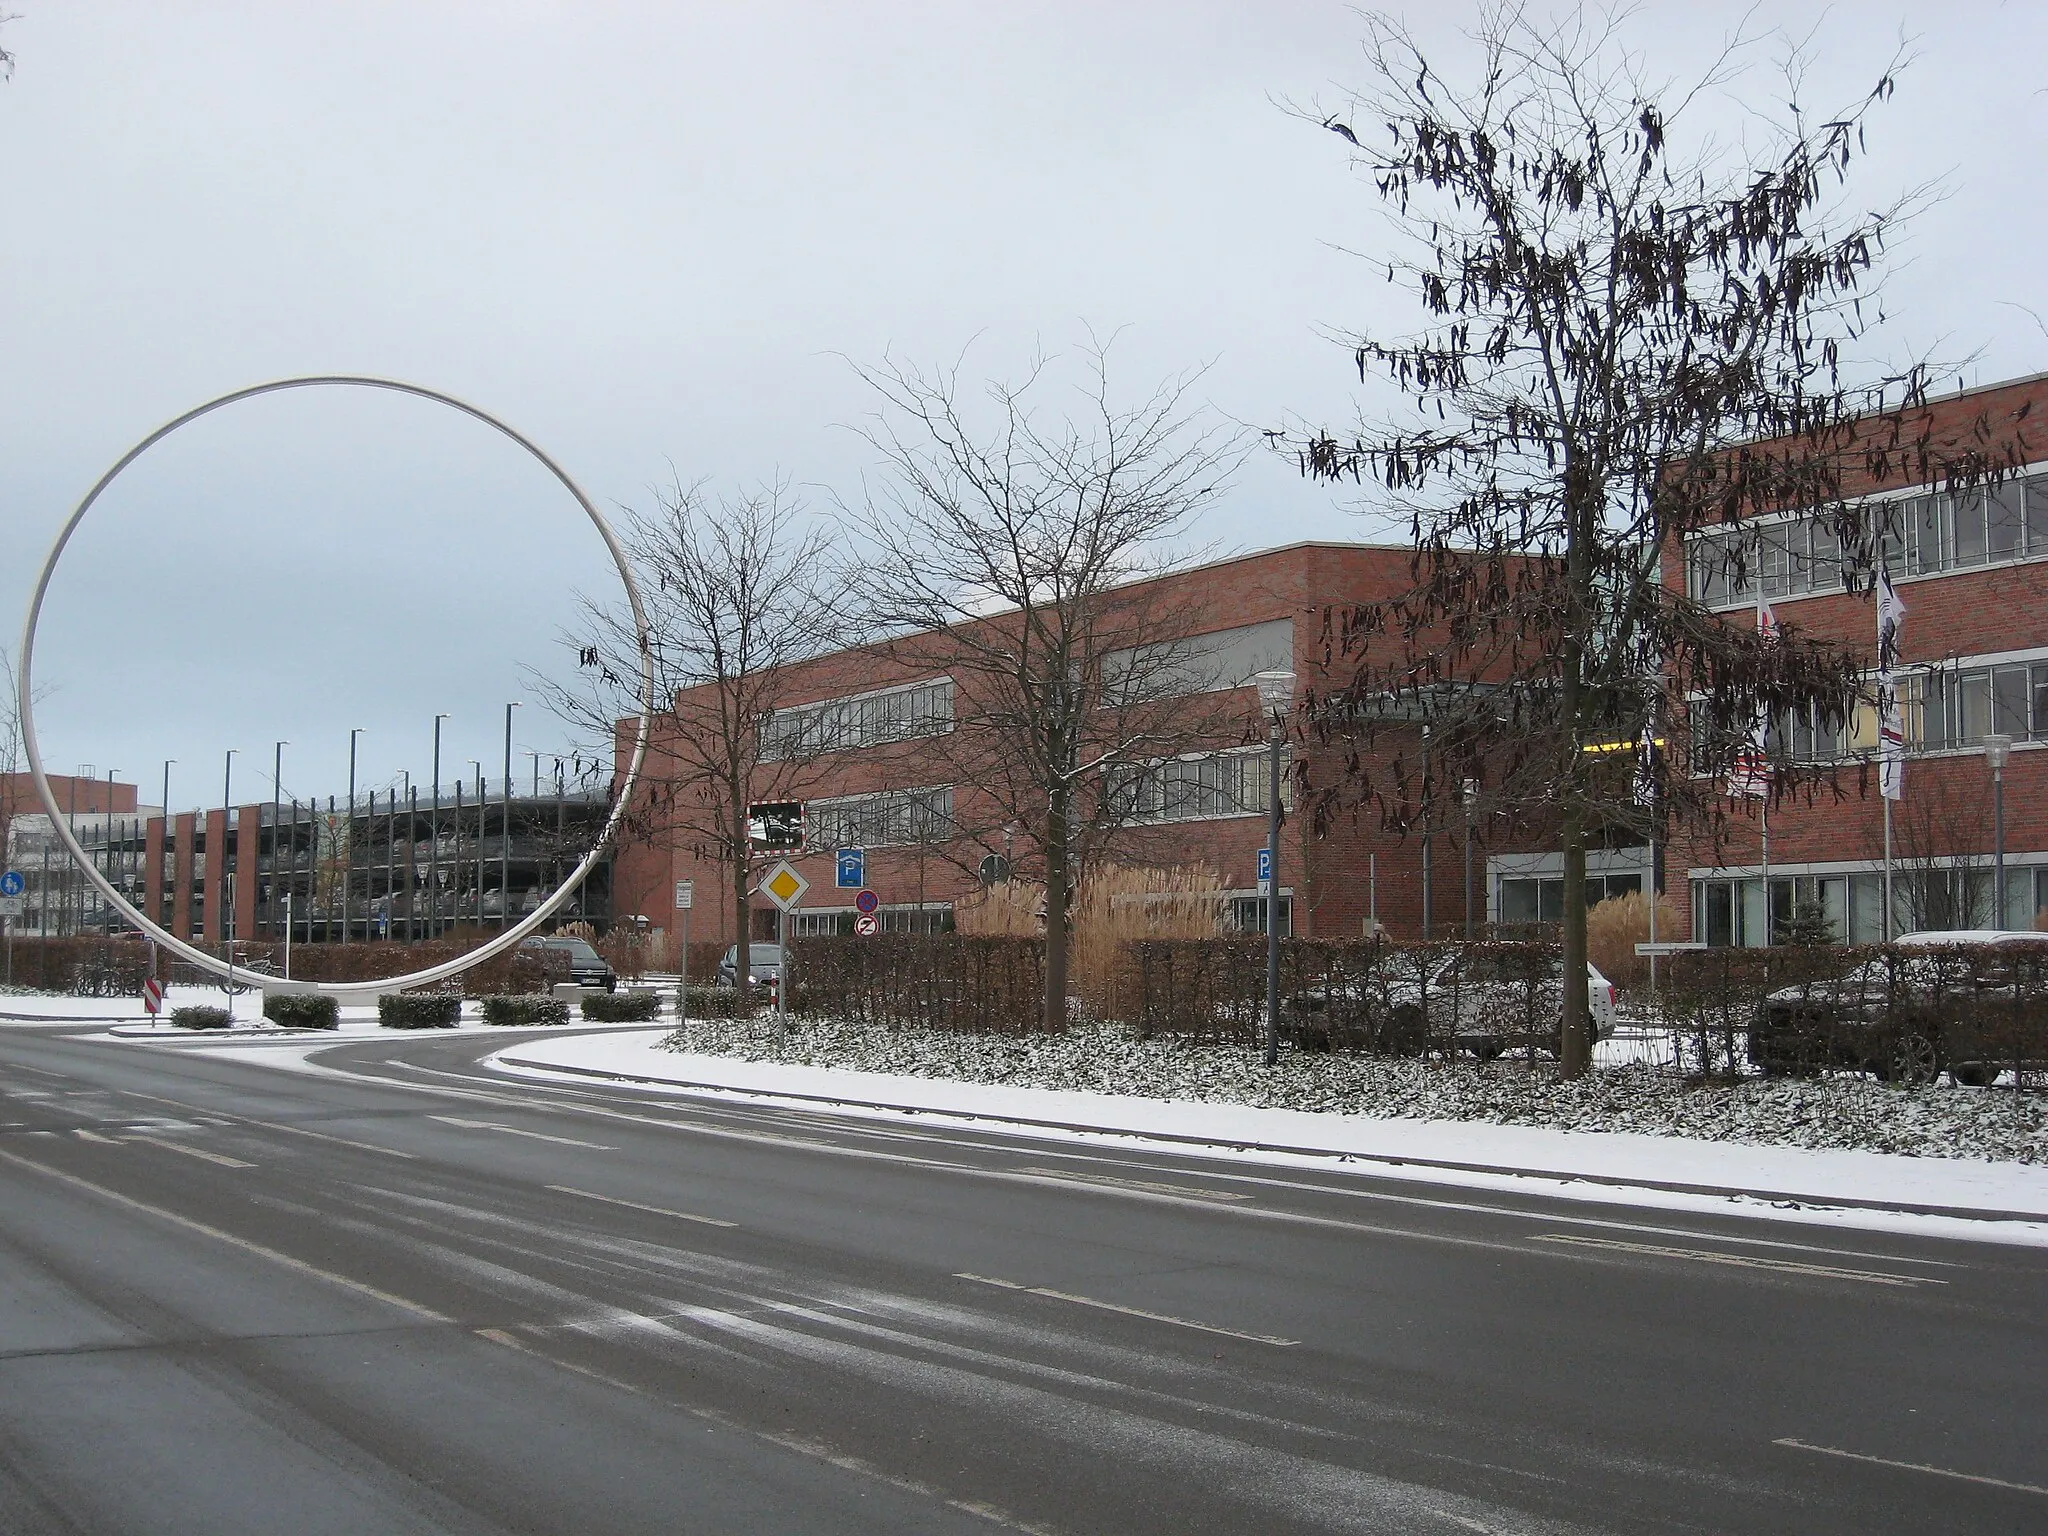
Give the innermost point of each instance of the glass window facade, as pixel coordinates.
(888, 819)
(864, 720)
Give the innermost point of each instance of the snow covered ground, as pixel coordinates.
(1099, 1096)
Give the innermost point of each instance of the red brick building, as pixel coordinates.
(876, 777)
(1972, 569)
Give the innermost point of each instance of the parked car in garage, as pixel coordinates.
(1966, 1001)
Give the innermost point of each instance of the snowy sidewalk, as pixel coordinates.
(2008, 1200)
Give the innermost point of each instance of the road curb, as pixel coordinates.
(1777, 1198)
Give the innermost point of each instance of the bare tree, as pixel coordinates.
(736, 591)
(1618, 343)
(1019, 554)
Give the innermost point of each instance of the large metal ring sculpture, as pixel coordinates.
(200, 957)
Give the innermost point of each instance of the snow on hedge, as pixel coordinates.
(1840, 1111)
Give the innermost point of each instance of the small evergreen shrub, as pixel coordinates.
(522, 1009)
(622, 1007)
(296, 1010)
(201, 1018)
(419, 1010)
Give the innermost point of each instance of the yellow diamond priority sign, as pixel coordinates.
(784, 886)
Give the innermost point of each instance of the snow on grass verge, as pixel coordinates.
(1839, 1113)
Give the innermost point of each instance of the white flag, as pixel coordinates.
(1750, 779)
(1891, 734)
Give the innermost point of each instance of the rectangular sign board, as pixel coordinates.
(1666, 949)
(1265, 870)
(12, 906)
(851, 865)
(686, 895)
(776, 826)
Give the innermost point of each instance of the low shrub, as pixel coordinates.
(296, 1010)
(419, 1010)
(622, 1007)
(201, 1017)
(721, 1002)
(524, 1009)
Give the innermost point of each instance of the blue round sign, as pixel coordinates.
(12, 883)
(866, 902)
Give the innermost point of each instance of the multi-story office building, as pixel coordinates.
(1971, 566)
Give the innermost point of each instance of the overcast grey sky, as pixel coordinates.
(649, 235)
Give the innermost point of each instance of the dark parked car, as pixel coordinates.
(1966, 1001)
(764, 964)
(586, 967)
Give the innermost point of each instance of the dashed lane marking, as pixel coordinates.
(635, 1205)
(1110, 1306)
(1740, 1260)
(1913, 1466)
(300, 1130)
(513, 1130)
(243, 1243)
(200, 1152)
(1075, 1176)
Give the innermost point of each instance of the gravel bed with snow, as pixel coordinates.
(1841, 1112)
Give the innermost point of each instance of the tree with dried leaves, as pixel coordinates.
(1017, 550)
(1624, 334)
(736, 592)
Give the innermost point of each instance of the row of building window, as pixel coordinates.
(891, 818)
(867, 720)
(1731, 912)
(1941, 709)
(1237, 782)
(1919, 535)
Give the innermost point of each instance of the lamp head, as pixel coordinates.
(1997, 749)
(1276, 693)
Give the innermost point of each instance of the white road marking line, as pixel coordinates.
(300, 1130)
(657, 1210)
(229, 1238)
(84, 1135)
(1075, 1176)
(1740, 1260)
(1110, 1306)
(200, 1152)
(1913, 1466)
(513, 1130)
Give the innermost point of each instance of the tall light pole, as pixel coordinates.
(227, 816)
(1276, 697)
(1470, 797)
(434, 842)
(1997, 749)
(276, 816)
(479, 767)
(505, 839)
(348, 861)
(164, 855)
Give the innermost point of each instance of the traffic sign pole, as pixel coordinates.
(12, 884)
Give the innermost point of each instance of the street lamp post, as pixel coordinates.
(276, 819)
(227, 816)
(1470, 797)
(1997, 749)
(479, 767)
(1276, 697)
(434, 842)
(168, 894)
(348, 858)
(505, 830)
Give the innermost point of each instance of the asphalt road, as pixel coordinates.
(405, 1295)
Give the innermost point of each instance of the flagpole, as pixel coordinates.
(1653, 908)
(1767, 868)
(1887, 868)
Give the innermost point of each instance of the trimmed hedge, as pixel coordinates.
(622, 1007)
(523, 1009)
(298, 1010)
(201, 1017)
(720, 1002)
(419, 1010)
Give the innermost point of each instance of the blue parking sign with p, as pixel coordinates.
(1265, 865)
(852, 868)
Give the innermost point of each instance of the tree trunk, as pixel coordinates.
(1575, 1054)
(737, 843)
(1056, 912)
